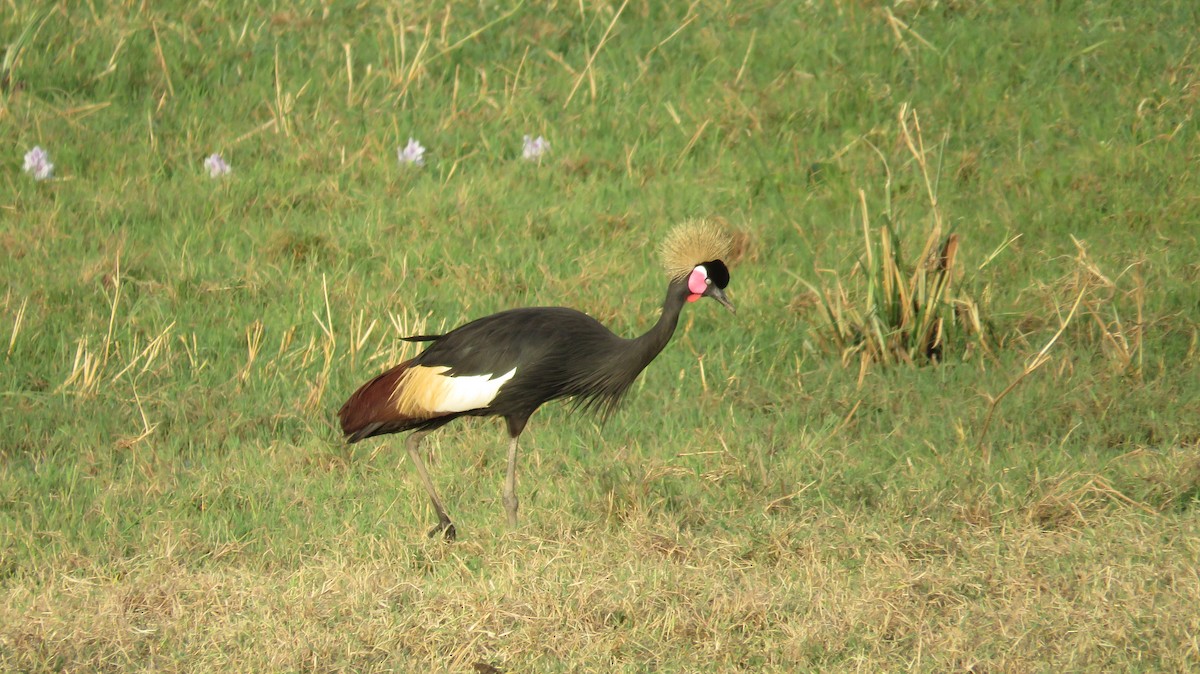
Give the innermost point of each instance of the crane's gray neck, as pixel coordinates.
(605, 380)
(652, 343)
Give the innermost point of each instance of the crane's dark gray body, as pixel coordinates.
(555, 352)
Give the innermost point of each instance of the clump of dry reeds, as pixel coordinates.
(893, 311)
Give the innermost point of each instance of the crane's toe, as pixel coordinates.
(445, 529)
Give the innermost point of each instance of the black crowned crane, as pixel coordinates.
(509, 364)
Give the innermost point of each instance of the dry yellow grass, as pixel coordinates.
(823, 590)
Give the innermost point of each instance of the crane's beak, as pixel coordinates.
(719, 295)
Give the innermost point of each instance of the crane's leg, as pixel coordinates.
(510, 484)
(516, 424)
(444, 527)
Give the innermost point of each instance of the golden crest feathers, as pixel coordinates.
(692, 242)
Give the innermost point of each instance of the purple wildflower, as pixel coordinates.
(37, 163)
(534, 148)
(216, 166)
(413, 153)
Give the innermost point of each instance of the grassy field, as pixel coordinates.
(174, 491)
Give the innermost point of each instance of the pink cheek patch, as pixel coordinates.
(697, 282)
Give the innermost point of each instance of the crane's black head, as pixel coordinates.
(708, 279)
(683, 250)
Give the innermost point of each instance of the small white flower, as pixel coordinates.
(216, 166)
(534, 148)
(37, 163)
(413, 153)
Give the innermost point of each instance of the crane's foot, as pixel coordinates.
(445, 530)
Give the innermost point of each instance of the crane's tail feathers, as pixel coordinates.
(422, 338)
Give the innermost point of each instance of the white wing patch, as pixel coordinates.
(471, 393)
(427, 391)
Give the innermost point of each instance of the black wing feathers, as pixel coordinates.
(557, 352)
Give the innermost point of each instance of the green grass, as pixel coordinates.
(174, 494)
